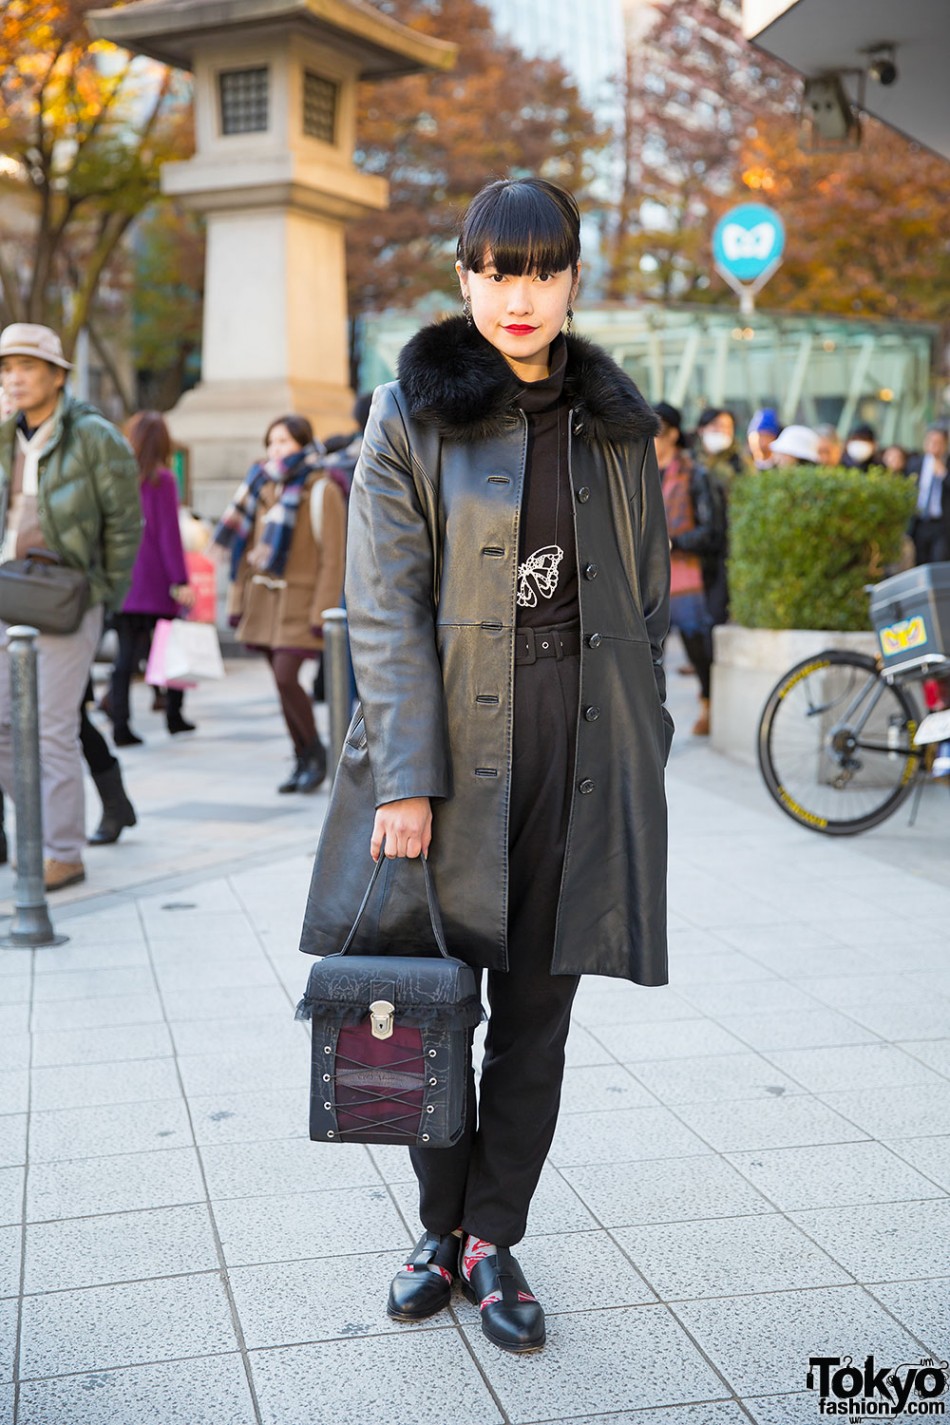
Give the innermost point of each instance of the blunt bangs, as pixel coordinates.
(521, 225)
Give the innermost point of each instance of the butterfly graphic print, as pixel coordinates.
(538, 576)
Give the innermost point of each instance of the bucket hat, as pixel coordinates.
(800, 442)
(31, 339)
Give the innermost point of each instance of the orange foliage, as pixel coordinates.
(83, 131)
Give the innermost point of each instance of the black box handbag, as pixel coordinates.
(43, 591)
(390, 1041)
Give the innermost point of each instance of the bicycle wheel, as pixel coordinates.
(836, 744)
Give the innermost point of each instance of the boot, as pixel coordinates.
(175, 719)
(313, 767)
(701, 725)
(123, 736)
(290, 783)
(117, 811)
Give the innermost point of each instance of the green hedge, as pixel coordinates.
(805, 540)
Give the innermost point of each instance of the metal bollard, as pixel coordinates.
(336, 674)
(31, 924)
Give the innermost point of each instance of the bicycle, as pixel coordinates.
(841, 745)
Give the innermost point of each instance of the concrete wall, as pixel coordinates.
(748, 663)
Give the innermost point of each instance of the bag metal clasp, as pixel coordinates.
(382, 1015)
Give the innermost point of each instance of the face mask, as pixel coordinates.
(860, 450)
(716, 441)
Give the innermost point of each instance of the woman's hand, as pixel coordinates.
(405, 826)
(184, 595)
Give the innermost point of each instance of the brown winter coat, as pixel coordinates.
(282, 612)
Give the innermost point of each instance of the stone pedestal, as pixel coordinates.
(275, 129)
(748, 663)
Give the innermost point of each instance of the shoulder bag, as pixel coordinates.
(43, 591)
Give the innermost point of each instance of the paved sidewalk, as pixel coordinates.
(752, 1166)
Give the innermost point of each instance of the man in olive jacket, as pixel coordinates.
(69, 484)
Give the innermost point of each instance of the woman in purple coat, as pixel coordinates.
(159, 580)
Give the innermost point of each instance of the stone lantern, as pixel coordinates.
(273, 172)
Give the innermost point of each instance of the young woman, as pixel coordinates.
(159, 586)
(286, 530)
(508, 594)
(694, 525)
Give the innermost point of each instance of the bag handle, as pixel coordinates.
(435, 918)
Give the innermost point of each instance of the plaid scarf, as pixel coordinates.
(237, 523)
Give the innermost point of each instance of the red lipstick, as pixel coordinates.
(518, 330)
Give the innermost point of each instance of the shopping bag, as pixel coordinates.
(155, 667)
(156, 674)
(184, 650)
(203, 578)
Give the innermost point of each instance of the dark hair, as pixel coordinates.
(521, 225)
(151, 441)
(298, 428)
(672, 419)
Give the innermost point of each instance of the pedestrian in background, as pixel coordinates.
(159, 587)
(286, 531)
(930, 526)
(861, 451)
(695, 534)
(895, 458)
(797, 445)
(717, 451)
(69, 484)
(506, 498)
(830, 446)
(762, 430)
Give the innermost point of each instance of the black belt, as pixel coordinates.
(534, 643)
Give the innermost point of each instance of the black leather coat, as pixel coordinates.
(430, 589)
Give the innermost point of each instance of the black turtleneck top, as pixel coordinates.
(547, 556)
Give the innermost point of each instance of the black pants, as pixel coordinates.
(485, 1183)
(134, 632)
(931, 541)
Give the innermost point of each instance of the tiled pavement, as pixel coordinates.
(752, 1166)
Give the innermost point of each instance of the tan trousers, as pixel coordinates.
(62, 670)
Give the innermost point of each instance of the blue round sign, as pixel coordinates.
(747, 240)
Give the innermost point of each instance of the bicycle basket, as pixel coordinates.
(911, 616)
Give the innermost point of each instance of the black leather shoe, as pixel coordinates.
(416, 1292)
(510, 1322)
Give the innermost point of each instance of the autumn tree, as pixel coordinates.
(167, 278)
(438, 138)
(84, 129)
(867, 231)
(694, 93)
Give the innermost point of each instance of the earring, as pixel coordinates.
(467, 311)
(570, 320)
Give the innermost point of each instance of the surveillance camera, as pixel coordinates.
(883, 69)
(880, 63)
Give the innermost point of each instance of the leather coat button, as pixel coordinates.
(583, 494)
(585, 787)
(594, 641)
(591, 714)
(590, 571)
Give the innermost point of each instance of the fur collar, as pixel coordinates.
(455, 380)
